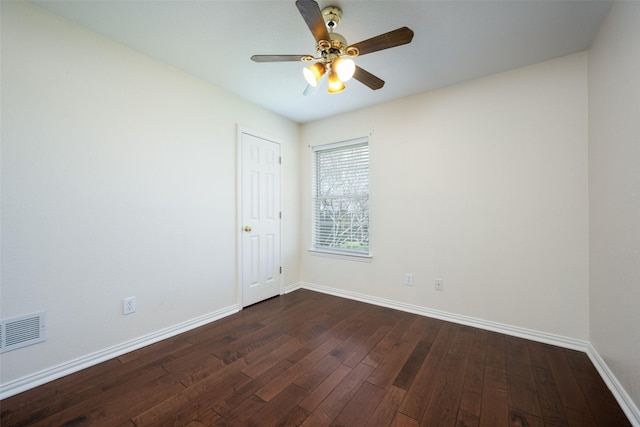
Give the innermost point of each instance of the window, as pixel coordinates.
(341, 198)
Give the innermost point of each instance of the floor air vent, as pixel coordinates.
(22, 331)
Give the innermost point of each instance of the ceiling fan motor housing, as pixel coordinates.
(337, 46)
(334, 48)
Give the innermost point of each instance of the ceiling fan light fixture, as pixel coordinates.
(333, 56)
(344, 67)
(335, 84)
(314, 73)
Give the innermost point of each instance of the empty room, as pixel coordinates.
(380, 213)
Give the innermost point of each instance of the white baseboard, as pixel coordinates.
(291, 287)
(30, 381)
(625, 402)
(529, 334)
(628, 406)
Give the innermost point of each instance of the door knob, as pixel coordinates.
(247, 228)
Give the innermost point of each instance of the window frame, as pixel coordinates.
(333, 252)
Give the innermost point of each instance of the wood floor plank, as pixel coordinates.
(268, 347)
(421, 324)
(369, 326)
(413, 363)
(524, 397)
(471, 398)
(128, 406)
(553, 412)
(538, 354)
(411, 366)
(294, 417)
(210, 367)
(399, 326)
(332, 321)
(284, 346)
(190, 363)
(272, 411)
(402, 420)
(419, 394)
(518, 418)
(466, 419)
(569, 390)
(581, 419)
(495, 397)
(237, 407)
(479, 344)
(386, 372)
(496, 355)
(246, 344)
(41, 402)
(339, 396)
(207, 418)
(189, 403)
(107, 405)
(308, 358)
(461, 343)
(267, 392)
(363, 402)
(377, 355)
(313, 400)
(314, 376)
(240, 413)
(387, 408)
(601, 402)
(362, 351)
(443, 407)
(550, 403)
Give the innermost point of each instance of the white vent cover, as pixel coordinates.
(22, 331)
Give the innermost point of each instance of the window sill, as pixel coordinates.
(341, 255)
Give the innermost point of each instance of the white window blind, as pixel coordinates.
(341, 199)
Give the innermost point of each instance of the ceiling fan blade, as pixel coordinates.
(277, 58)
(368, 79)
(310, 90)
(393, 38)
(312, 15)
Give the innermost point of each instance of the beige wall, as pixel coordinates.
(614, 193)
(482, 184)
(118, 179)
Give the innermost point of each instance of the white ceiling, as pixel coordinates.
(454, 41)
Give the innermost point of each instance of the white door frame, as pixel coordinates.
(239, 208)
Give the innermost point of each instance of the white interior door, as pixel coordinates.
(260, 270)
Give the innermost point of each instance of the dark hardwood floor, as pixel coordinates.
(315, 360)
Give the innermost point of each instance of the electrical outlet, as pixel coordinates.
(408, 279)
(439, 286)
(129, 305)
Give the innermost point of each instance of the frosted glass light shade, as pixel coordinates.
(335, 84)
(314, 73)
(345, 67)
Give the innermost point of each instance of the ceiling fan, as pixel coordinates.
(334, 57)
